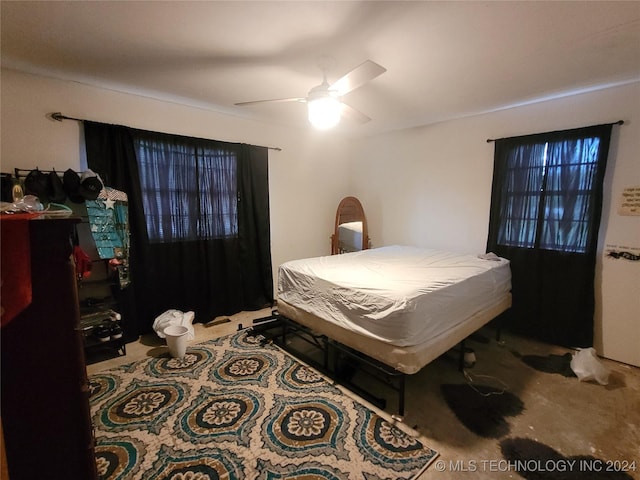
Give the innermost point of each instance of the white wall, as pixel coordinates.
(304, 189)
(431, 186)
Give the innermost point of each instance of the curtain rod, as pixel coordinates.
(619, 122)
(58, 116)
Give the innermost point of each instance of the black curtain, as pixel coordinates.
(545, 215)
(185, 253)
(111, 154)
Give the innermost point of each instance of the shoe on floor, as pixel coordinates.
(102, 333)
(115, 331)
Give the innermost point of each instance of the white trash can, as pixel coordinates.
(177, 340)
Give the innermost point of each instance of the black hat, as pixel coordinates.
(37, 183)
(90, 185)
(57, 193)
(71, 182)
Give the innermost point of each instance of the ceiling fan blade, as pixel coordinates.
(352, 114)
(276, 100)
(357, 77)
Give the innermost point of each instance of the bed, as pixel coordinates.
(402, 306)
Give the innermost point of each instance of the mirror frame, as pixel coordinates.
(349, 210)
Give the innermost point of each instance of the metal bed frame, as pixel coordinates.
(339, 362)
(335, 360)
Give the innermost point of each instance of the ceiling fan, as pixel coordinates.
(325, 106)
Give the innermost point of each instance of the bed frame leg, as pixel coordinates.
(284, 333)
(401, 395)
(325, 354)
(461, 358)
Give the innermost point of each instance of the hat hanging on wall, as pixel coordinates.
(71, 183)
(37, 183)
(81, 188)
(90, 185)
(57, 193)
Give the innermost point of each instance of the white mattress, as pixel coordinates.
(399, 295)
(350, 236)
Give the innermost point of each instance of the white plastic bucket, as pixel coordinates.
(177, 340)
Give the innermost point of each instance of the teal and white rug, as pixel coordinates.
(236, 409)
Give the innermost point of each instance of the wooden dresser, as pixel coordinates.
(45, 411)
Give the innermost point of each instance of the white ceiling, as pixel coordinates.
(444, 59)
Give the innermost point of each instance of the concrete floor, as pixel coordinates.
(578, 429)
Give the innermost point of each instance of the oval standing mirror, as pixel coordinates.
(350, 234)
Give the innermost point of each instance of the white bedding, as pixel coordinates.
(399, 295)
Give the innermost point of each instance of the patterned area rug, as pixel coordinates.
(235, 409)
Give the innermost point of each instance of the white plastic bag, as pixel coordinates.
(587, 366)
(174, 317)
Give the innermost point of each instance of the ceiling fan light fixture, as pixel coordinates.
(324, 111)
(324, 107)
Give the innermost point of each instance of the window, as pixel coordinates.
(547, 196)
(189, 190)
(199, 220)
(546, 204)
